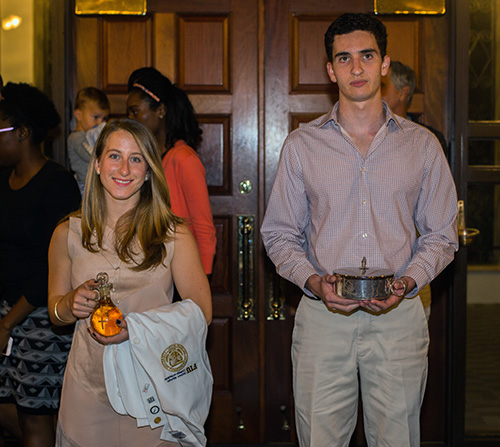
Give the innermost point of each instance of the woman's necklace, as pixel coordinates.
(115, 274)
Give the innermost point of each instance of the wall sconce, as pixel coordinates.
(113, 7)
(434, 7)
(11, 22)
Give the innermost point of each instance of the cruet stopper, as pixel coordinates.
(363, 267)
(104, 316)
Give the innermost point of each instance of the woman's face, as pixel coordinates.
(122, 167)
(9, 140)
(138, 109)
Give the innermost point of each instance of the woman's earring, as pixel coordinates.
(146, 178)
(98, 172)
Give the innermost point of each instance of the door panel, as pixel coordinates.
(204, 53)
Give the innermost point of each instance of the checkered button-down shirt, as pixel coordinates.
(330, 207)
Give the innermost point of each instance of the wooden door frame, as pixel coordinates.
(457, 318)
(458, 294)
(51, 37)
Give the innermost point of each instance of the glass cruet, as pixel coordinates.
(104, 316)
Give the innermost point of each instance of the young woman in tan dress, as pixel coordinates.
(125, 228)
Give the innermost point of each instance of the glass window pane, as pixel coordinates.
(483, 213)
(484, 72)
(483, 152)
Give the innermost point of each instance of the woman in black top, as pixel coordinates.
(35, 193)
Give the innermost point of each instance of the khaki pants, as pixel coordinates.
(388, 351)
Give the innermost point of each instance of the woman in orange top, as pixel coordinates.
(166, 110)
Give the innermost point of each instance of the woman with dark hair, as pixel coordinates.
(126, 229)
(35, 193)
(167, 112)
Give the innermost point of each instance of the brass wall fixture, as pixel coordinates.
(246, 267)
(112, 7)
(11, 22)
(433, 7)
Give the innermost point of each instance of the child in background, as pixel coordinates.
(91, 112)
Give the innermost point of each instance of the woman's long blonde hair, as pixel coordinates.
(141, 233)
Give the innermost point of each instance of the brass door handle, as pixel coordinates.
(465, 235)
(275, 297)
(241, 425)
(286, 425)
(246, 270)
(245, 187)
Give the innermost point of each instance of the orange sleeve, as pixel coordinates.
(190, 199)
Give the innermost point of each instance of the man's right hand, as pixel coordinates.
(323, 287)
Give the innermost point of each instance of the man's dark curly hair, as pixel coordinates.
(349, 22)
(25, 105)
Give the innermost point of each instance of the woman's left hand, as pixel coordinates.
(113, 339)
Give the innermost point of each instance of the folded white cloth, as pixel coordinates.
(161, 376)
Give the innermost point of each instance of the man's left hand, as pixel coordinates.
(399, 288)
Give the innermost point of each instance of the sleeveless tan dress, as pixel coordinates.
(86, 417)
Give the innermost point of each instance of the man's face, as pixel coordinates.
(357, 66)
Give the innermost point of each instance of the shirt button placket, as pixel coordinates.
(364, 214)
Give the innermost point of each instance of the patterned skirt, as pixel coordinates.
(31, 376)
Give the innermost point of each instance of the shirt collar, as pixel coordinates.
(332, 116)
(391, 117)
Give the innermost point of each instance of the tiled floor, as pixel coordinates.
(482, 393)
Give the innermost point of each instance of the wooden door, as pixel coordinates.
(477, 135)
(298, 90)
(210, 49)
(254, 70)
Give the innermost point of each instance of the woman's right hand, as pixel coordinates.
(84, 299)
